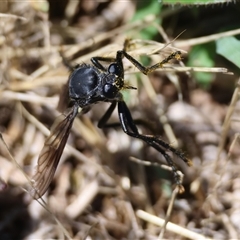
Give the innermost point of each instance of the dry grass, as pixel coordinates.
(101, 190)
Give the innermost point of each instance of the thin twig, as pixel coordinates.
(170, 226)
(169, 210)
(227, 121)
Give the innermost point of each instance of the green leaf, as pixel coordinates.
(229, 47)
(203, 78)
(145, 8)
(42, 6)
(194, 2)
(202, 56)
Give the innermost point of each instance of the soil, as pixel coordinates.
(106, 182)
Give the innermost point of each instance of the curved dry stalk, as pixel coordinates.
(181, 231)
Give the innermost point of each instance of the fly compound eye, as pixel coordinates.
(114, 68)
(110, 91)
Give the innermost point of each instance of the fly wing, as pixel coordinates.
(51, 153)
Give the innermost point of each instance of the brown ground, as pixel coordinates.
(98, 192)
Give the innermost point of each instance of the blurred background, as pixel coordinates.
(99, 191)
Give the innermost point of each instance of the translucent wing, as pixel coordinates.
(51, 153)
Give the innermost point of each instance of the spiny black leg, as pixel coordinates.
(96, 62)
(130, 128)
(174, 150)
(126, 120)
(126, 44)
(103, 121)
(147, 70)
(176, 176)
(137, 122)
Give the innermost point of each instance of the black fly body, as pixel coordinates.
(87, 85)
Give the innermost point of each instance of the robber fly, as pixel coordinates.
(88, 85)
